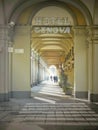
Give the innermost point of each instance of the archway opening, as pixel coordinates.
(52, 40)
(52, 44)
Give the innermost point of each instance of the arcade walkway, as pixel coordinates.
(48, 109)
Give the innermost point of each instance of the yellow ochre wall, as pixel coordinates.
(21, 63)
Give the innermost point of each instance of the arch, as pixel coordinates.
(49, 45)
(64, 45)
(70, 5)
(57, 4)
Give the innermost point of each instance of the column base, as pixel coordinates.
(4, 97)
(94, 97)
(21, 94)
(34, 84)
(82, 95)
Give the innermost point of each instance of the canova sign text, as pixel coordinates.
(51, 30)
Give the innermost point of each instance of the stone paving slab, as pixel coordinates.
(51, 115)
(63, 114)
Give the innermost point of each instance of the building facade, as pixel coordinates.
(36, 34)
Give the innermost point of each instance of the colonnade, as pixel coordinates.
(39, 69)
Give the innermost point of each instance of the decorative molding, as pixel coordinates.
(95, 34)
(79, 30)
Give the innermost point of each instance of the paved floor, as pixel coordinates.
(48, 109)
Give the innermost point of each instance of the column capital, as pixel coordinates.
(92, 34)
(89, 34)
(95, 34)
(79, 30)
(3, 32)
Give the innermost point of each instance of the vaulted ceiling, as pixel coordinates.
(52, 46)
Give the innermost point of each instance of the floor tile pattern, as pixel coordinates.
(50, 114)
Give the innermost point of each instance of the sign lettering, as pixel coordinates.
(51, 21)
(54, 30)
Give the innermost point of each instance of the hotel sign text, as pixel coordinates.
(52, 21)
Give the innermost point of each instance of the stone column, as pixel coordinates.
(90, 60)
(32, 56)
(34, 69)
(4, 88)
(41, 72)
(11, 32)
(80, 63)
(38, 74)
(94, 90)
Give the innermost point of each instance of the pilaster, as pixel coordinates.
(80, 63)
(21, 63)
(4, 87)
(94, 92)
(89, 59)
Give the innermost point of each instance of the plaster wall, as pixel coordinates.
(21, 62)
